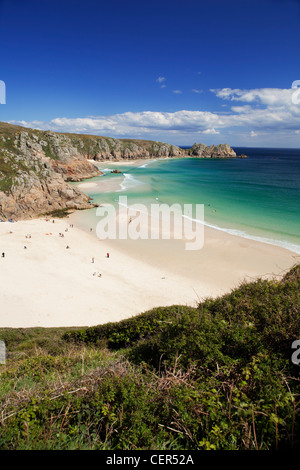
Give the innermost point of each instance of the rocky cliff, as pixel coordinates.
(36, 166)
(219, 151)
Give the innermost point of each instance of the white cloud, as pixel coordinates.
(211, 131)
(194, 90)
(267, 109)
(242, 109)
(265, 96)
(275, 117)
(161, 79)
(177, 92)
(132, 123)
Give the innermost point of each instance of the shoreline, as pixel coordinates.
(134, 162)
(115, 186)
(48, 285)
(107, 186)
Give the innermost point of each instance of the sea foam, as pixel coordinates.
(129, 182)
(239, 233)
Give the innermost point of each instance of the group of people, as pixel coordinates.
(67, 247)
(97, 274)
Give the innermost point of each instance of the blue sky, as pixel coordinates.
(177, 71)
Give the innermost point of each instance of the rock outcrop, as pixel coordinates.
(119, 149)
(219, 151)
(34, 174)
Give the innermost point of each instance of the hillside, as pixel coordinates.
(36, 166)
(218, 376)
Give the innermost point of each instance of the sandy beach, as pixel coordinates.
(105, 185)
(133, 162)
(46, 284)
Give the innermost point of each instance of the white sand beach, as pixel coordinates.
(105, 185)
(47, 284)
(133, 162)
(87, 185)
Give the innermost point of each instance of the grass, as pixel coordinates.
(215, 377)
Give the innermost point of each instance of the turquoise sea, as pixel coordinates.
(257, 197)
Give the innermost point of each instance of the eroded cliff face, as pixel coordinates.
(58, 151)
(219, 151)
(37, 166)
(106, 148)
(34, 170)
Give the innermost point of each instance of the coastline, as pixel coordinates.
(48, 285)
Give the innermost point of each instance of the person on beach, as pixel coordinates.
(98, 274)
(3, 255)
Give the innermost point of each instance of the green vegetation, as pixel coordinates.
(8, 170)
(12, 163)
(218, 376)
(8, 167)
(58, 213)
(49, 152)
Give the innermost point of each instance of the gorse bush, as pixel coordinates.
(127, 332)
(218, 376)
